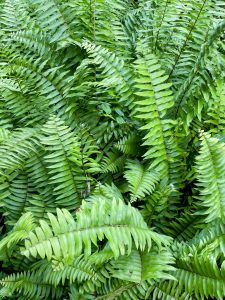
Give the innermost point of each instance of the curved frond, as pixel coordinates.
(141, 181)
(67, 237)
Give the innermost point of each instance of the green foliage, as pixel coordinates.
(112, 155)
(119, 224)
(210, 169)
(141, 180)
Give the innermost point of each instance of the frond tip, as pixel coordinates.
(141, 180)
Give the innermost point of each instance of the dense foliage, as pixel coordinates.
(112, 154)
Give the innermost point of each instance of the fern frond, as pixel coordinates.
(114, 68)
(115, 289)
(60, 272)
(15, 203)
(19, 232)
(4, 134)
(24, 104)
(182, 94)
(113, 162)
(215, 115)
(20, 146)
(156, 205)
(66, 174)
(200, 276)
(141, 181)
(48, 81)
(210, 240)
(107, 191)
(129, 144)
(155, 99)
(43, 200)
(67, 237)
(185, 227)
(29, 285)
(138, 267)
(210, 167)
(168, 291)
(50, 17)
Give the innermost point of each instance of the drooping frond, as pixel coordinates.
(210, 240)
(185, 227)
(50, 17)
(116, 290)
(113, 162)
(129, 144)
(67, 237)
(168, 291)
(156, 206)
(79, 270)
(43, 200)
(4, 134)
(187, 84)
(17, 196)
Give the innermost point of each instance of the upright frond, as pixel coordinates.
(65, 174)
(210, 167)
(155, 99)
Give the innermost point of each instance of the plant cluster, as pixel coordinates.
(112, 154)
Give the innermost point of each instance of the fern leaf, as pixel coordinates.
(113, 162)
(66, 176)
(19, 147)
(156, 99)
(169, 291)
(19, 194)
(29, 285)
(102, 219)
(4, 134)
(200, 276)
(210, 166)
(141, 181)
(138, 266)
(114, 67)
(19, 232)
(51, 18)
(129, 144)
(216, 109)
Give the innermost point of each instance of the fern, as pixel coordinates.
(155, 100)
(141, 181)
(60, 144)
(210, 178)
(47, 242)
(112, 149)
